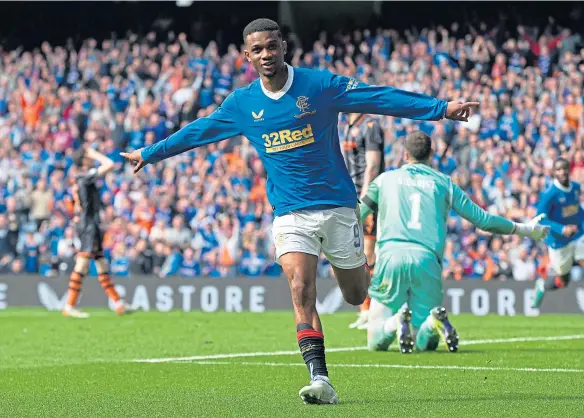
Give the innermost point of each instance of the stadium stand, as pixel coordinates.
(206, 213)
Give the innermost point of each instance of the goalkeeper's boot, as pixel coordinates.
(538, 293)
(362, 320)
(319, 391)
(406, 339)
(447, 332)
(72, 312)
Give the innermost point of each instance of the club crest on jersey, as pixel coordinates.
(304, 106)
(279, 241)
(258, 117)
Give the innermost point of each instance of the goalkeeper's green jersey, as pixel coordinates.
(413, 203)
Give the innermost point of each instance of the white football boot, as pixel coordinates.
(319, 391)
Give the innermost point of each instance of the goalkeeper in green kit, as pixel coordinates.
(412, 205)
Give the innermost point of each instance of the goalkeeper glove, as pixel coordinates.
(532, 229)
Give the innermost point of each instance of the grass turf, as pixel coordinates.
(60, 367)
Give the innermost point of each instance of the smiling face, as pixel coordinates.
(265, 51)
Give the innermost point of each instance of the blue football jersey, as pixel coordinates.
(295, 132)
(561, 207)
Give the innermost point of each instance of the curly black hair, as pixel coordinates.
(261, 25)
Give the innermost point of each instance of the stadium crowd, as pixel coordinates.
(205, 213)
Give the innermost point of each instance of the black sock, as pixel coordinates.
(311, 345)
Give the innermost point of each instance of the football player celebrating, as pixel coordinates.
(290, 116)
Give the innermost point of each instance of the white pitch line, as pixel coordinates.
(345, 349)
(34, 314)
(395, 366)
(523, 339)
(237, 355)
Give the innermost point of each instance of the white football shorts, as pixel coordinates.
(336, 232)
(562, 259)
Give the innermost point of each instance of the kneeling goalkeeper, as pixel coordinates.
(412, 205)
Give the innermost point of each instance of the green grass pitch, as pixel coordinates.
(52, 366)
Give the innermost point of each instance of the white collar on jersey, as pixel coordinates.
(562, 188)
(279, 94)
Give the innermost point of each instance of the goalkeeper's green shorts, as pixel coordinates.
(407, 274)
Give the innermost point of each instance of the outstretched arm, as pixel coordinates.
(480, 218)
(219, 125)
(350, 95)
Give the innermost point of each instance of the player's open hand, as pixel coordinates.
(135, 158)
(460, 111)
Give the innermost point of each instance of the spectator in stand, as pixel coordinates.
(30, 252)
(524, 267)
(483, 265)
(6, 246)
(141, 259)
(17, 268)
(178, 235)
(504, 269)
(41, 203)
(190, 266)
(120, 261)
(252, 263)
(68, 246)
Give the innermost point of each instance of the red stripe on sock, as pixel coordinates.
(309, 333)
(559, 282)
